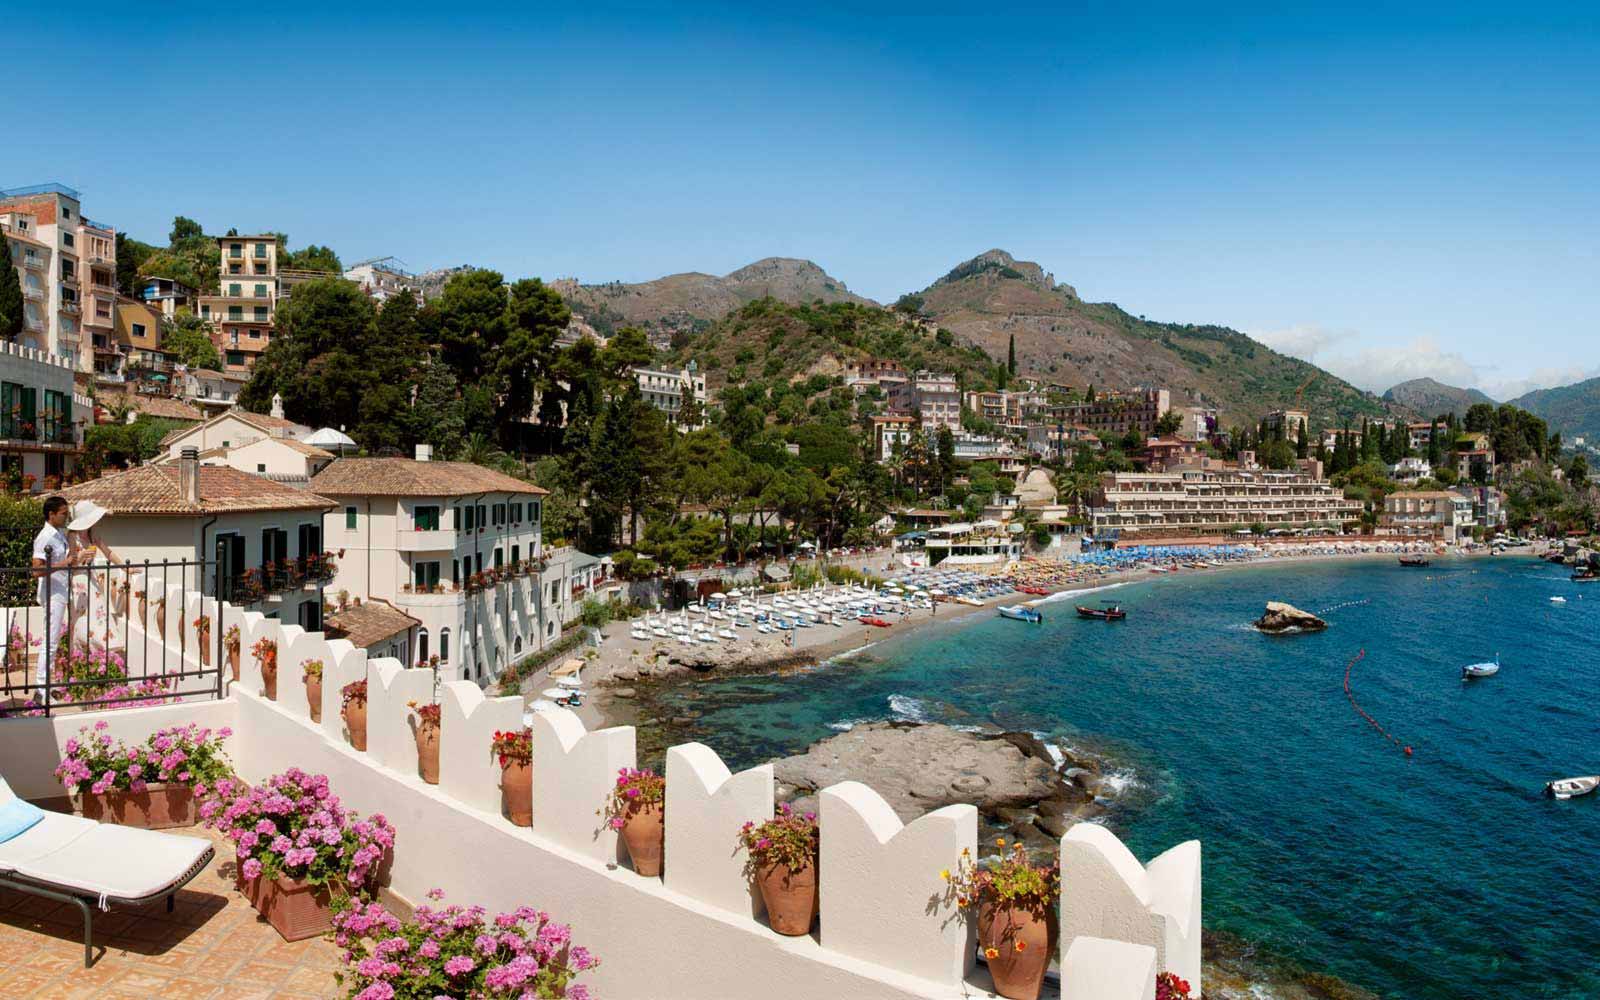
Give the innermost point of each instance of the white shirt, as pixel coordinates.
(50, 545)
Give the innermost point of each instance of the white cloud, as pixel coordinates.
(1342, 352)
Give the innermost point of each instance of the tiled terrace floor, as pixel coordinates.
(213, 946)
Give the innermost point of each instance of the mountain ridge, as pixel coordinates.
(1574, 409)
(1429, 397)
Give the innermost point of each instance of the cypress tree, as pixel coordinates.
(1434, 454)
(11, 308)
(1011, 355)
(1302, 446)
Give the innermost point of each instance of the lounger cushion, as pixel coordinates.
(17, 816)
(98, 859)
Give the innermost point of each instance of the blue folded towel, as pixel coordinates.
(18, 816)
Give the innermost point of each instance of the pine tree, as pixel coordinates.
(11, 308)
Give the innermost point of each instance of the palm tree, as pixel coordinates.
(120, 409)
(479, 450)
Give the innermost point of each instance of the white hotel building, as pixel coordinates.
(668, 391)
(1207, 501)
(67, 266)
(422, 536)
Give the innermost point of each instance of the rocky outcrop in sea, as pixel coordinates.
(1012, 777)
(1286, 618)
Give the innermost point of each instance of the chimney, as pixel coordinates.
(277, 406)
(189, 475)
(424, 452)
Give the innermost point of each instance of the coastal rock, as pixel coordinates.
(1281, 617)
(624, 692)
(918, 767)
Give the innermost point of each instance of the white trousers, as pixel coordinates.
(57, 616)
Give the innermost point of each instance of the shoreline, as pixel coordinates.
(621, 662)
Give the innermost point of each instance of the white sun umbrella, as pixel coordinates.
(569, 682)
(554, 692)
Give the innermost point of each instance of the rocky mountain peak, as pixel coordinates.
(998, 264)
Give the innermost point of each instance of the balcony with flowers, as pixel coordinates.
(391, 828)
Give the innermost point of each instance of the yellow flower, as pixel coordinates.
(945, 874)
(991, 953)
(999, 841)
(965, 853)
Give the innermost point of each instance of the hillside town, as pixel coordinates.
(477, 549)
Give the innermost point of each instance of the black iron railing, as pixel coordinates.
(95, 636)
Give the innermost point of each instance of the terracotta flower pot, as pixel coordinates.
(269, 680)
(144, 611)
(161, 617)
(158, 807)
(233, 661)
(355, 719)
(428, 751)
(314, 696)
(516, 791)
(295, 909)
(790, 897)
(1022, 940)
(203, 640)
(249, 888)
(644, 833)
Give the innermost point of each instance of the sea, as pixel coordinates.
(1442, 873)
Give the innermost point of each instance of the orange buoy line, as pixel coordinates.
(1363, 712)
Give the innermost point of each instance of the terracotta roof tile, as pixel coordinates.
(369, 624)
(260, 421)
(153, 489)
(404, 477)
(165, 407)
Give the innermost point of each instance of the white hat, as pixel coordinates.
(85, 515)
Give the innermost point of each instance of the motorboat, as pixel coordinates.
(1585, 576)
(1414, 560)
(1571, 788)
(1558, 600)
(1020, 613)
(1106, 612)
(1473, 670)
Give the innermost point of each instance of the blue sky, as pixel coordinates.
(1388, 194)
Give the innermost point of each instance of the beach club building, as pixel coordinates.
(1195, 501)
(1437, 514)
(453, 545)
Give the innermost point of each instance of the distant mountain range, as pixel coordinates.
(1430, 398)
(683, 303)
(991, 299)
(1574, 410)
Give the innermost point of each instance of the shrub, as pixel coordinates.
(459, 952)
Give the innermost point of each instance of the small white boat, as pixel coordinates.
(1558, 600)
(1568, 788)
(1472, 670)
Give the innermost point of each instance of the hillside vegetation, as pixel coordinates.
(1574, 410)
(772, 341)
(1430, 398)
(994, 298)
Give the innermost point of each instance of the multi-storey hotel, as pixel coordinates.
(1206, 501)
(1117, 413)
(67, 266)
(669, 391)
(937, 400)
(241, 314)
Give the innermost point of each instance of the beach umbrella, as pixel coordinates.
(570, 682)
(554, 692)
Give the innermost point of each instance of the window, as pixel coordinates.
(235, 269)
(444, 645)
(499, 512)
(138, 329)
(499, 558)
(516, 513)
(261, 251)
(230, 563)
(261, 314)
(261, 467)
(205, 312)
(310, 616)
(66, 239)
(234, 289)
(261, 291)
(426, 518)
(235, 250)
(455, 572)
(469, 512)
(274, 548)
(516, 554)
(235, 313)
(425, 575)
(236, 359)
(349, 519)
(66, 213)
(483, 518)
(422, 645)
(310, 540)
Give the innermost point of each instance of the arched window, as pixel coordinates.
(444, 645)
(422, 645)
(516, 647)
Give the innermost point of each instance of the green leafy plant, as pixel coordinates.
(790, 839)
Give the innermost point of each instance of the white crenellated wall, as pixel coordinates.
(708, 804)
(886, 928)
(1113, 896)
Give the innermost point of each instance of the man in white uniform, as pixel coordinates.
(51, 547)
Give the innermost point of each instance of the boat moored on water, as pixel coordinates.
(1585, 576)
(1109, 612)
(1571, 788)
(1414, 560)
(1020, 613)
(1473, 670)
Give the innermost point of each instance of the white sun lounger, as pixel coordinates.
(76, 860)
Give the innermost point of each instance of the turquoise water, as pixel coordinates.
(1443, 874)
